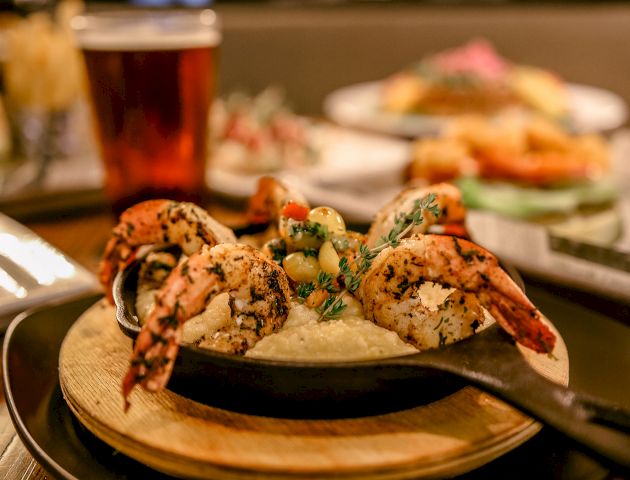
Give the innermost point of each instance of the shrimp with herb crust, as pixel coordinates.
(259, 300)
(275, 202)
(159, 222)
(451, 211)
(387, 289)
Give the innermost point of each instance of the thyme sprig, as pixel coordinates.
(314, 229)
(303, 290)
(334, 305)
(325, 281)
(404, 222)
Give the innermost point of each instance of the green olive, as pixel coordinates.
(301, 268)
(328, 258)
(329, 217)
(297, 238)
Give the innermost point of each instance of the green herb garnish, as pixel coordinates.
(313, 229)
(303, 290)
(332, 307)
(403, 224)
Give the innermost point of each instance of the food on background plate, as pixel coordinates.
(473, 78)
(517, 165)
(260, 134)
(42, 90)
(317, 282)
(42, 43)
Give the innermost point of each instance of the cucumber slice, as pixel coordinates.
(515, 200)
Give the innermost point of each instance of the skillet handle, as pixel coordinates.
(496, 365)
(600, 429)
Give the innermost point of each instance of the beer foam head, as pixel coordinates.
(147, 31)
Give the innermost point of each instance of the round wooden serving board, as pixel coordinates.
(185, 438)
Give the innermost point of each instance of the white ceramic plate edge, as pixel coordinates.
(592, 109)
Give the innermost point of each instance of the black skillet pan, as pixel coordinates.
(488, 360)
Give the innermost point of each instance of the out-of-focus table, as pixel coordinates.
(592, 337)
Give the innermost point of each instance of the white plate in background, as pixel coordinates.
(356, 206)
(354, 167)
(592, 110)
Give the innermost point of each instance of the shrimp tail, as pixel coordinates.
(452, 229)
(153, 357)
(237, 269)
(267, 203)
(118, 254)
(260, 209)
(517, 321)
(159, 222)
(460, 264)
(129, 382)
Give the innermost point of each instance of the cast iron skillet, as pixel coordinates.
(488, 360)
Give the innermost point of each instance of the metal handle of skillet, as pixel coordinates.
(490, 361)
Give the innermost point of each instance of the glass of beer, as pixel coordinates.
(151, 77)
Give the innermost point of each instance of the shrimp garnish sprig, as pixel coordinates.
(353, 272)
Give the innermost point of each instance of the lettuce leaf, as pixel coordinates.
(520, 201)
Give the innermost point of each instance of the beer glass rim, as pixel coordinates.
(164, 22)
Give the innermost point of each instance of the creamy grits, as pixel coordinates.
(304, 337)
(350, 337)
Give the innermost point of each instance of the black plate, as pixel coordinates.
(37, 408)
(68, 451)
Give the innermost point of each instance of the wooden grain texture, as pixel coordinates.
(179, 436)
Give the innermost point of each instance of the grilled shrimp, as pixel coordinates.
(452, 262)
(276, 203)
(448, 199)
(540, 168)
(424, 322)
(259, 302)
(159, 221)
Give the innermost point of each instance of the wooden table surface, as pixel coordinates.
(83, 238)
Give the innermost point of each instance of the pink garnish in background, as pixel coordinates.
(477, 57)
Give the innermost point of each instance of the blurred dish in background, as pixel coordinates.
(542, 198)
(354, 171)
(260, 134)
(254, 136)
(344, 159)
(518, 166)
(42, 67)
(591, 109)
(473, 78)
(43, 96)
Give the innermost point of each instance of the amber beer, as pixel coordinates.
(151, 89)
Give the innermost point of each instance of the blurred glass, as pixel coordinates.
(151, 76)
(42, 95)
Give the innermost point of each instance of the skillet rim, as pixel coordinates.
(128, 323)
